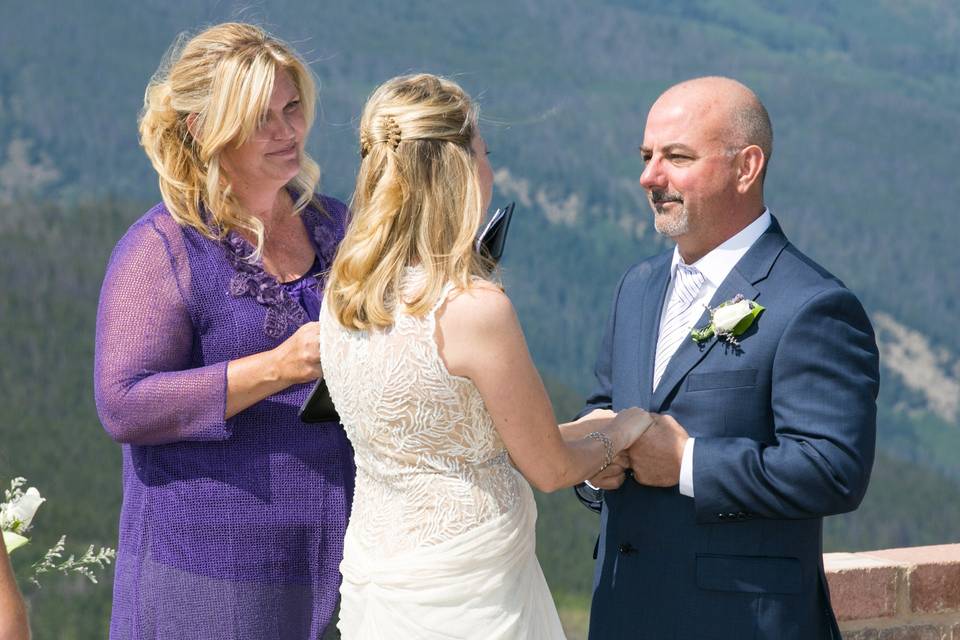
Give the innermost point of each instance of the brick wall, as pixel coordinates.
(897, 594)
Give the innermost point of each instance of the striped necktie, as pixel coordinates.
(676, 324)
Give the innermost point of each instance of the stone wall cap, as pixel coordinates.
(934, 554)
(840, 562)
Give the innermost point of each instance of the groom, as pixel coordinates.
(762, 430)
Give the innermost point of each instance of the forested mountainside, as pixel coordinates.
(865, 100)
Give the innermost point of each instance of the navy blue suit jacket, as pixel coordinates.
(785, 427)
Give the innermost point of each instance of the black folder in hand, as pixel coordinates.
(318, 406)
(490, 241)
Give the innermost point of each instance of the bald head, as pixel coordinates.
(736, 111)
(705, 151)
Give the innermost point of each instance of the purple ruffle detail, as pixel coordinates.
(252, 280)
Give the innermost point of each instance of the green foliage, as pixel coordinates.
(906, 505)
(87, 565)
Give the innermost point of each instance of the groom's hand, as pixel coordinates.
(655, 457)
(613, 476)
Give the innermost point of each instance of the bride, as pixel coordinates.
(427, 365)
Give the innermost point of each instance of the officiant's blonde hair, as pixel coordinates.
(211, 92)
(418, 201)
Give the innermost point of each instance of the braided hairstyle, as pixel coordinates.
(417, 202)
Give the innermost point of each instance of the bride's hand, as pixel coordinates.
(614, 475)
(633, 422)
(598, 414)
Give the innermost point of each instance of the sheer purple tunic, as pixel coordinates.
(229, 528)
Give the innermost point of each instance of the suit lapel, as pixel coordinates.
(751, 269)
(651, 309)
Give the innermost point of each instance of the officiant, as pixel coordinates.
(234, 510)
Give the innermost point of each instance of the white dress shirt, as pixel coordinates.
(715, 266)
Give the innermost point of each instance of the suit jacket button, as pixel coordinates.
(721, 516)
(741, 515)
(625, 548)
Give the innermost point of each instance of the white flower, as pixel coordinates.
(729, 316)
(729, 320)
(13, 541)
(17, 514)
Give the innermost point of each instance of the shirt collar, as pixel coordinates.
(718, 263)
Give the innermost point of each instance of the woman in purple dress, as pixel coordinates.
(234, 510)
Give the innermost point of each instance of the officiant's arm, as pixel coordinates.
(824, 386)
(480, 338)
(147, 387)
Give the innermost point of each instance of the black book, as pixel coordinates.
(490, 241)
(318, 406)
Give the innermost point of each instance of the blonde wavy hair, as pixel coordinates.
(418, 201)
(217, 85)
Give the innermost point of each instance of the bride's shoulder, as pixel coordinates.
(478, 288)
(476, 326)
(482, 305)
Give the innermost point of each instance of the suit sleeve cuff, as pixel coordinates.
(686, 469)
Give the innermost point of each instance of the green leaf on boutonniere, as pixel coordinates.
(743, 325)
(699, 335)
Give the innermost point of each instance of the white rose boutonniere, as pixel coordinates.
(729, 320)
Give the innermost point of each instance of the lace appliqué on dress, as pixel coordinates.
(430, 464)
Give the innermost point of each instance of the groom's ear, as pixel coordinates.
(750, 164)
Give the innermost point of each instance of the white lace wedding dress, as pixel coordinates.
(440, 542)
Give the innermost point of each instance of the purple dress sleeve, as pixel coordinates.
(147, 389)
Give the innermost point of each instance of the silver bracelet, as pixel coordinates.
(607, 447)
